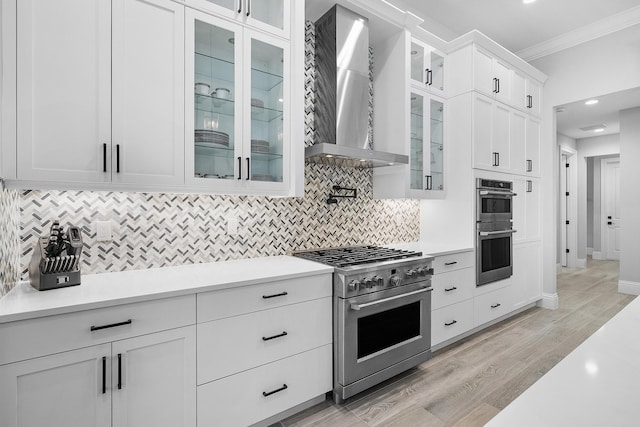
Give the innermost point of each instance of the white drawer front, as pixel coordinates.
(451, 321)
(235, 344)
(247, 299)
(52, 334)
(452, 287)
(238, 400)
(455, 261)
(492, 305)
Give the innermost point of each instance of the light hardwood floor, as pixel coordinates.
(469, 382)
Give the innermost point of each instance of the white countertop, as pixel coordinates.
(595, 385)
(108, 289)
(434, 249)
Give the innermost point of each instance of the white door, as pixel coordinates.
(66, 389)
(502, 72)
(517, 142)
(154, 380)
(501, 136)
(64, 90)
(483, 72)
(483, 157)
(148, 92)
(564, 175)
(532, 154)
(611, 207)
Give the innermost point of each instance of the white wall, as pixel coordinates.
(629, 200)
(566, 141)
(605, 65)
(605, 145)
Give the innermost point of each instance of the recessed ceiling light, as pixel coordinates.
(527, 1)
(595, 128)
(591, 102)
(598, 130)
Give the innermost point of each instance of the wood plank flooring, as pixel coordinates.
(469, 382)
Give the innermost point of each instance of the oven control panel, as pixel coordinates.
(370, 280)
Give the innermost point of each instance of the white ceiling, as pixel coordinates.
(511, 23)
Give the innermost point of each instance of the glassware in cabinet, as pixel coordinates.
(437, 144)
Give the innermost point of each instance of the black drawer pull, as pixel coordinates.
(104, 375)
(97, 328)
(496, 306)
(451, 263)
(282, 294)
(453, 322)
(453, 288)
(119, 371)
(283, 334)
(269, 393)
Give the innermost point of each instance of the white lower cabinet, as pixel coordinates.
(452, 287)
(451, 321)
(142, 381)
(491, 305)
(526, 283)
(256, 394)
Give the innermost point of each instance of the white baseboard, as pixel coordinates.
(589, 251)
(597, 255)
(549, 301)
(581, 263)
(626, 287)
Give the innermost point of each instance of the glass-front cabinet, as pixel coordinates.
(427, 67)
(237, 138)
(268, 15)
(426, 159)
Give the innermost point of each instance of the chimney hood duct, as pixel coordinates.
(342, 94)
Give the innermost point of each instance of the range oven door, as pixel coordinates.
(494, 252)
(494, 206)
(378, 330)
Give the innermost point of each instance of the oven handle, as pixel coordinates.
(497, 193)
(491, 233)
(382, 301)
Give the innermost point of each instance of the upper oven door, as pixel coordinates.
(377, 331)
(494, 206)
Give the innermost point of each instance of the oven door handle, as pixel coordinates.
(382, 301)
(491, 233)
(497, 193)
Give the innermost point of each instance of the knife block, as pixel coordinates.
(47, 273)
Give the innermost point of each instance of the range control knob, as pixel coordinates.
(367, 282)
(395, 281)
(422, 271)
(379, 281)
(353, 285)
(410, 273)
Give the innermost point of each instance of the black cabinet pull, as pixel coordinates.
(429, 183)
(495, 85)
(451, 263)
(239, 6)
(104, 375)
(119, 371)
(529, 186)
(239, 168)
(113, 325)
(248, 7)
(104, 157)
(117, 158)
(496, 158)
(529, 165)
(283, 334)
(609, 223)
(248, 168)
(498, 91)
(429, 77)
(453, 288)
(282, 294)
(269, 393)
(496, 306)
(453, 322)
(426, 76)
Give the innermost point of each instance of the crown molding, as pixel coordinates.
(581, 35)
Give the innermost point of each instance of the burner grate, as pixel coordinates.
(357, 255)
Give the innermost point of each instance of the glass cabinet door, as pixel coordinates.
(268, 101)
(427, 67)
(216, 118)
(416, 158)
(418, 69)
(269, 15)
(436, 69)
(437, 145)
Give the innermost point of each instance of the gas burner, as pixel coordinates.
(355, 255)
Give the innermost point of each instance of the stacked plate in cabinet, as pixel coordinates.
(259, 146)
(211, 137)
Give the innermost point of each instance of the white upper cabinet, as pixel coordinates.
(238, 103)
(525, 93)
(427, 67)
(97, 103)
(268, 15)
(492, 75)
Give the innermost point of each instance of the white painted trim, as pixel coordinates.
(608, 25)
(549, 301)
(558, 268)
(589, 251)
(581, 263)
(597, 255)
(627, 287)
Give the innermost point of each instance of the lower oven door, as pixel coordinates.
(494, 254)
(376, 331)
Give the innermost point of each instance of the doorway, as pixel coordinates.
(567, 222)
(610, 208)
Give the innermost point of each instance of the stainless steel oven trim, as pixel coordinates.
(497, 193)
(385, 300)
(349, 369)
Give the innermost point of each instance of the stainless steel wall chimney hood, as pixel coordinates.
(342, 94)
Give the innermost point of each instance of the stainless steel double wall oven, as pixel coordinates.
(494, 221)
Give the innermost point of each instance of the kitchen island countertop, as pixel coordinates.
(109, 289)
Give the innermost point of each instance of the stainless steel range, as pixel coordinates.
(381, 313)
